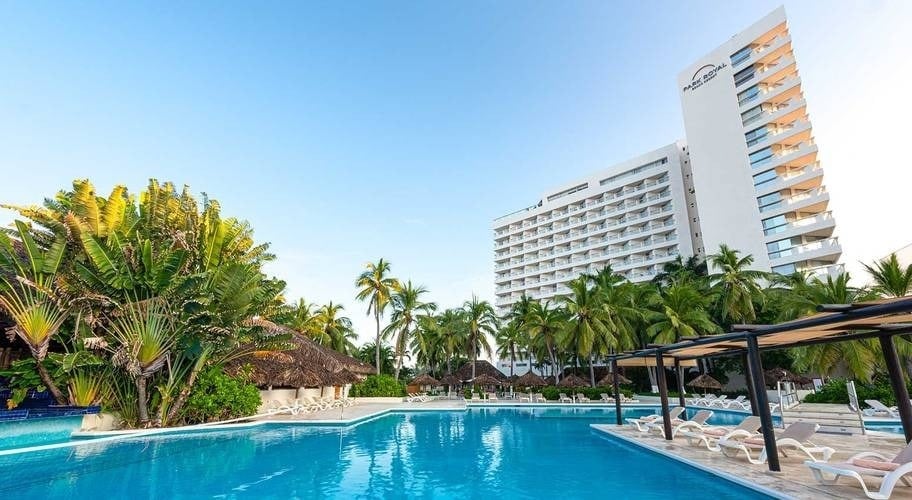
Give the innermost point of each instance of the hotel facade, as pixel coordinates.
(747, 176)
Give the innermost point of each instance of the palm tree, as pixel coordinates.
(693, 270)
(376, 287)
(333, 330)
(679, 311)
(481, 321)
(406, 304)
(368, 351)
(427, 342)
(454, 333)
(545, 323)
(735, 285)
(507, 338)
(890, 278)
(30, 296)
(145, 333)
(300, 317)
(586, 323)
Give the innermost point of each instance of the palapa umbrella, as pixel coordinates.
(572, 381)
(608, 380)
(425, 380)
(705, 382)
(530, 379)
(774, 375)
(450, 380)
(486, 380)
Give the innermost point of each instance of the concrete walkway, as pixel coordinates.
(363, 410)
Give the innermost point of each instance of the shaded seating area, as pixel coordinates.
(880, 320)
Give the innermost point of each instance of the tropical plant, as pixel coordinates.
(376, 286)
(508, 337)
(406, 305)
(890, 278)
(367, 353)
(333, 330)
(545, 324)
(481, 321)
(735, 286)
(586, 322)
(217, 396)
(679, 311)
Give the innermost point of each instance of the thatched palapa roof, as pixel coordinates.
(572, 381)
(450, 380)
(705, 382)
(424, 379)
(609, 379)
(485, 379)
(530, 379)
(481, 368)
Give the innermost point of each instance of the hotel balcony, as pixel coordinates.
(766, 52)
(778, 91)
(807, 177)
(827, 249)
(813, 200)
(798, 130)
(820, 225)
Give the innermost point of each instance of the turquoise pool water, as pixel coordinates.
(478, 453)
(37, 431)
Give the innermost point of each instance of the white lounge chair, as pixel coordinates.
(563, 398)
(869, 464)
(709, 436)
(696, 422)
(606, 398)
(291, 406)
(642, 422)
(492, 397)
(878, 408)
(539, 398)
(738, 403)
(794, 438)
(704, 400)
(718, 402)
(625, 399)
(582, 398)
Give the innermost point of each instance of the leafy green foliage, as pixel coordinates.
(552, 393)
(834, 391)
(217, 396)
(378, 386)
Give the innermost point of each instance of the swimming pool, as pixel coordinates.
(508, 452)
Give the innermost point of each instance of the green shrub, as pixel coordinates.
(217, 396)
(378, 386)
(552, 393)
(834, 391)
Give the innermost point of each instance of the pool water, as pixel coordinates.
(37, 431)
(478, 453)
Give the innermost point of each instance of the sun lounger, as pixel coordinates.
(606, 398)
(718, 402)
(696, 422)
(709, 436)
(879, 409)
(492, 397)
(703, 400)
(794, 438)
(737, 403)
(641, 423)
(539, 398)
(582, 398)
(869, 464)
(625, 399)
(563, 398)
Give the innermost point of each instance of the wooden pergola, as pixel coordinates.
(882, 319)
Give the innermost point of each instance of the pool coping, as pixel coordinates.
(606, 429)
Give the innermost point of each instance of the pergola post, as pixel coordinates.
(663, 394)
(680, 374)
(748, 377)
(898, 381)
(758, 387)
(617, 391)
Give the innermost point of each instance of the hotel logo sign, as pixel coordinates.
(703, 75)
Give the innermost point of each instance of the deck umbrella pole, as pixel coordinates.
(748, 378)
(663, 394)
(617, 391)
(680, 373)
(898, 382)
(758, 387)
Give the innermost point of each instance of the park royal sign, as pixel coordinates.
(703, 75)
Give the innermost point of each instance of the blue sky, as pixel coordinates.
(401, 129)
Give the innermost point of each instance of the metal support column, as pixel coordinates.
(759, 389)
(750, 385)
(663, 394)
(898, 381)
(680, 374)
(617, 391)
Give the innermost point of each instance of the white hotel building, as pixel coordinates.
(748, 176)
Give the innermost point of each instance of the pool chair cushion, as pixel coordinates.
(715, 431)
(876, 464)
(755, 441)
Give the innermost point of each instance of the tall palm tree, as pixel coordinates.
(545, 324)
(890, 278)
(454, 333)
(508, 338)
(300, 316)
(481, 321)
(407, 305)
(679, 311)
(427, 342)
(735, 285)
(30, 295)
(519, 315)
(376, 287)
(692, 270)
(586, 323)
(335, 331)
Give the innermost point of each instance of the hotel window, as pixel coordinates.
(756, 135)
(786, 269)
(753, 114)
(748, 95)
(775, 225)
(769, 202)
(741, 55)
(744, 75)
(764, 177)
(761, 157)
(782, 248)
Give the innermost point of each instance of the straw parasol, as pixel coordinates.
(572, 381)
(450, 380)
(774, 375)
(424, 379)
(481, 368)
(530, 379)
(486, 380)
(705, 382)
(609, 379)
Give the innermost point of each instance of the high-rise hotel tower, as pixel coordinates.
(759, 186)
(748, 177)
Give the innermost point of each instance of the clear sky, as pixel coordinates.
(348, 132)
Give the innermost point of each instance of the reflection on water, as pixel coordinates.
(481, 452)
